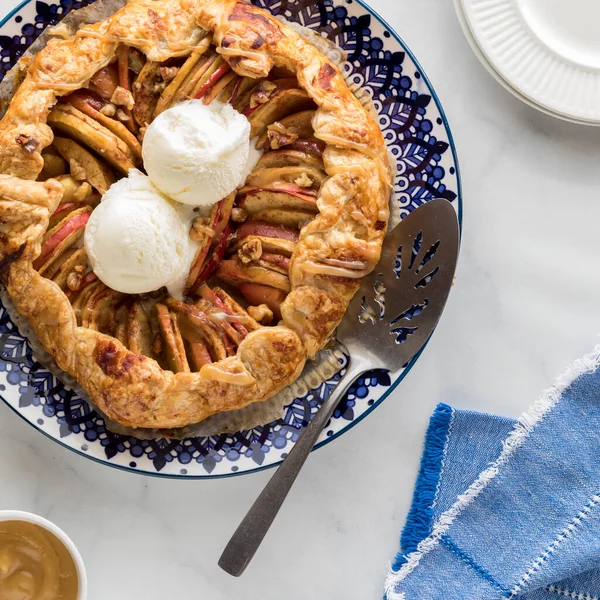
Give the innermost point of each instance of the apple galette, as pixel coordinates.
(189, 196)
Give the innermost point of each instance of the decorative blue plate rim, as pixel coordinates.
(396, 380)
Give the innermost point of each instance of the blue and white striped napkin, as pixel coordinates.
(508, 509)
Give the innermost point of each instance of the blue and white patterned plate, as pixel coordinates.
(419, 137)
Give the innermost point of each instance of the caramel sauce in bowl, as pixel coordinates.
(38, 561)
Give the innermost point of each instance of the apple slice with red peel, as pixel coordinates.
(98, 313)
(213, 261)
(87, 280)
(173, 348)
(227, 305)
(256, 294)
(139, 331)
(257, 200)
(263, 229)
(105, 81)
(268, 244)
(281, 104)
(212, 80)
(223, 215)
(219, 87)
(276, 259)
(79, 299)
(125, 82)
(220, 320)
(62, 210)
(299, 123)
(288, 158)
(240, 93)
(90, 105)
(195, 325)
(66, 233)
(288, 176)
(234, 273)
(197, 354)
(286, 217)
(314, 147)
(186, 89)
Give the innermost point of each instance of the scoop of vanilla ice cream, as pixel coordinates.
(135, 239)
(197, 154)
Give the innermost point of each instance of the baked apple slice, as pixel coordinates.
(240, 318)
(194, 323)
(91, 105)
(79, 300)
(105, 81)
(282, 103)
(287, 197)
(62, 210)
(220, 320)
(172, 346)
(84, 165)
(277, 262)
(313, 147)
(212, 262)
(211, 77)
(119, 325)
(288, 158)
(97, 312)
(219, 86)
(139, 331)
(286, 217)
(125, 83)
(257, 294)
(234, 273)
(267, 244)
(197, 353)
(192, 82)
(84, 129)
(54, 164)
(168, 94)
(307, 179)
(144, 92)
(62, 236)
(69, 273)
(299, 125)
(267, 230)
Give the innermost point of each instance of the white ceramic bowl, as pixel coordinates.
(18, 515)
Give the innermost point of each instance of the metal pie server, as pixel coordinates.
(387, 322)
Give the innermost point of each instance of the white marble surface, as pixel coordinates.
(524, 305)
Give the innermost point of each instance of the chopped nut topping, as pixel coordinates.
(200, 229)
(261, 313)
(303, 181)
(279, 136)
(159, 87)
(122, 97)
(238, 215)
(75, 278)
(121, 115)
(109, 110)
(27, 142)
(250, 251)
(168, 73)
(262, 94)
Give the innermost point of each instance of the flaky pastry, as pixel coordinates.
(309, 222)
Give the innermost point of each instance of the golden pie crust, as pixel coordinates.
(353, 201)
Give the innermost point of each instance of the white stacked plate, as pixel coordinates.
(545, 52)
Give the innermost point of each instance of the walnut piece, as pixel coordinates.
(168, 73)
(121, 115)
(75, 278)
(250, 251)
(261, 313)
(122, 97)
(303, 181)
(200, 229)
(27, 142)
(109, 110)
(238, 215)
(279, 136)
